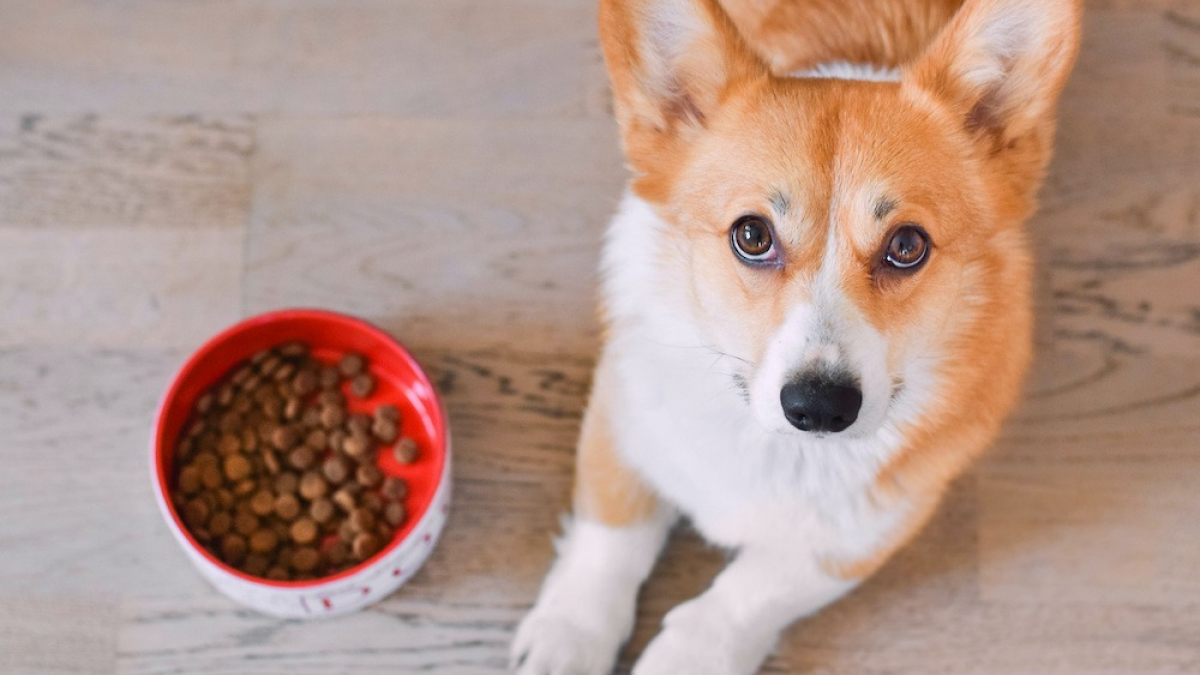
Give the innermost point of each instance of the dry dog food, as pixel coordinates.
(277, 478)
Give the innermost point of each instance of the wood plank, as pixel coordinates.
(466, 58)
(119, 287)
(87, 172)
(48, 634)
(456, 234)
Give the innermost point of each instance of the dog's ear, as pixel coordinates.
(670, 61)
(1001, 64)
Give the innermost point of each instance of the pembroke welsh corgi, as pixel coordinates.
(817, 299)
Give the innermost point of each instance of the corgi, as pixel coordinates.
(817, 299)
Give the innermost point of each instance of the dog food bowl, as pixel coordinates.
(399, 380)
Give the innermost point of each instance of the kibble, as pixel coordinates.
(352, 364)
(237, 467)
(313, 486)
(263, 541)
(405, 451)
(362, 385)
(304, 530)
(277, 477)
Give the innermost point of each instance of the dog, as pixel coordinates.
(817, 299)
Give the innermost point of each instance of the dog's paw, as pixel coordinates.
(697, 640)
(550, 642)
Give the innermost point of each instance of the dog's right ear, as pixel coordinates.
(670, 62)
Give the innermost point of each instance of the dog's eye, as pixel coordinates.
(751, 238)
(908, 248)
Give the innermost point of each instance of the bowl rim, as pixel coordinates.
(158, 446)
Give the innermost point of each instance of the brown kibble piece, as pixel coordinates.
(352, 364)
(302, 458)
(304, 383)
(365, 545)
(332, 416)
(244, 487)
(388, 412)
(237, 468)
(338, 553)
(405, 451)
(345, 532)
(263, 541)
(394, 488)
(368, 475)
(278, 573)
(361, 520)
(284, 371)
(189, 480)
(210, 476)
(322, 510)
(313, 485)
(304, 530)
(256, 564)
(286, 483)
(233, 548)
(272, 407)
(245, 523)
(345, 499)
(335, 470)
(362, 385)
(284, 438)
(356, 446)
(311, 418)
(270, 365)
(293, 349)
(333, 397)
(385, 430)
(220, 523)
(329, 377)
(195, 513)
(359, 424)
(249, 439)
(271, 461)
(229, 444)
(305, 559)
(287, 506)
(372, 502)
(221, 497)
(262, 503)
(205, 403)
(317, 439)
(291, 409)
(393, 513)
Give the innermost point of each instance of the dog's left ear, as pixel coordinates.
(1001, 64)
(670, 62)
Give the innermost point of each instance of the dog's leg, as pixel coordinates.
(732, 627)
(586, 607)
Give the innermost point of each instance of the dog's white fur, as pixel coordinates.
(785, 500)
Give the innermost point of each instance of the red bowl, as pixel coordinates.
(399, 380)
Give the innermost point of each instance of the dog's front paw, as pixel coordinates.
(697, 639)
(551, 642)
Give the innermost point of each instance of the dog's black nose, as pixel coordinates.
(821, 402)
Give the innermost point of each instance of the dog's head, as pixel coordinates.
(856, 242)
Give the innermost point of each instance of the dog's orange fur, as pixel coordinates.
(606, 491)
(791, 35)
(714, 146)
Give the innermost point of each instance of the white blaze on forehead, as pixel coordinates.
(844, 70)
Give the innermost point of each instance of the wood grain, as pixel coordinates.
(451, 233)
(468, 58)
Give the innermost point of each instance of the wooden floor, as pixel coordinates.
(445, 168)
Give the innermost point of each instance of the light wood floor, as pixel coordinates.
(445, 168)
